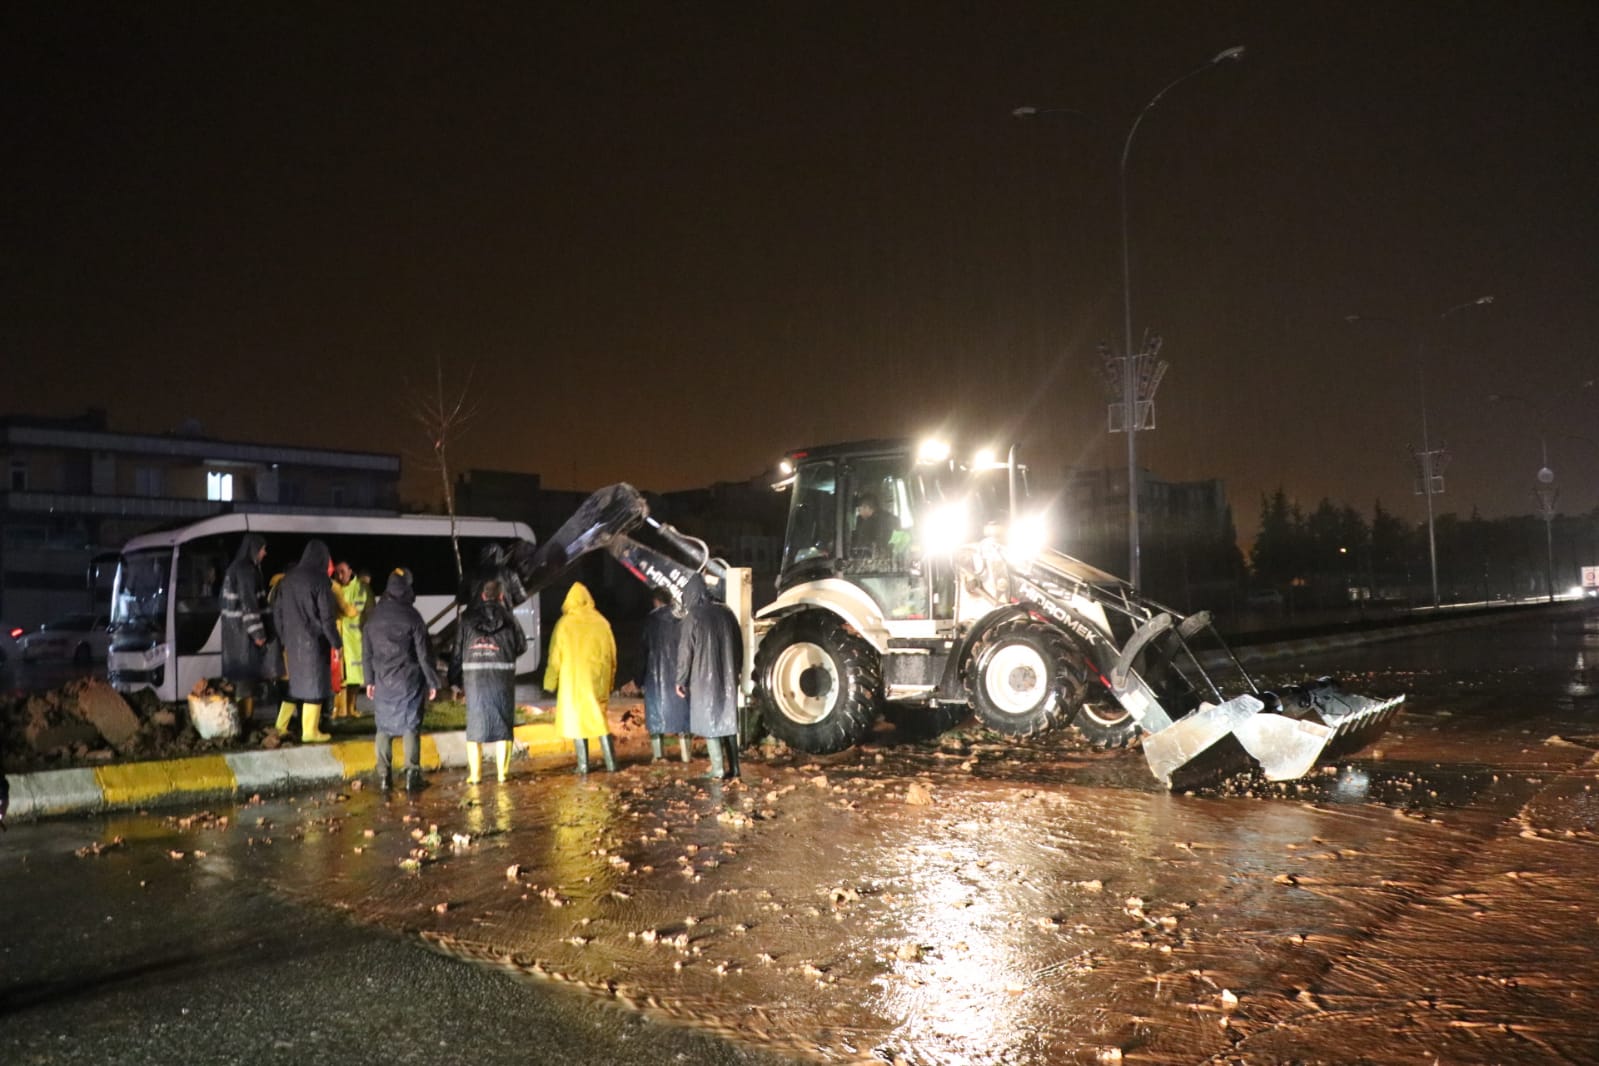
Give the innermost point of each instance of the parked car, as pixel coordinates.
(80, 637)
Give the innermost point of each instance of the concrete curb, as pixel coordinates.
(235, 775)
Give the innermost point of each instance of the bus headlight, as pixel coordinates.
(933, 450)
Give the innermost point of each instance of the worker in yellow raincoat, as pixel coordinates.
(581, 672)
(354, 597)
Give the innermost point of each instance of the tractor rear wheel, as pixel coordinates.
(1024, 678)
(819, 686)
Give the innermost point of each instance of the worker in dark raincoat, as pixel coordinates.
(397, 662)
(487, 644)
(710, 661)
(582, 672)
(307, 621)
(664, 710)
(244, 625)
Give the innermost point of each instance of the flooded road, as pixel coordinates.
(971, 901)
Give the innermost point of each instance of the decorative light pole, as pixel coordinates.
(1430, 460)
(1141, 372)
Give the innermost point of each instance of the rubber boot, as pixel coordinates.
(247, 709)
(502, 759)
(656, 752)
(732, 756)
(385, 780)
(608, 752)
(286, 711)
(312, 713)
(713, 748)
(474, 762)
(685, 746)
(582, 749)
(413, 780)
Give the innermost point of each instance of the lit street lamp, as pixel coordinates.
(1429, 458)
(1140, 374)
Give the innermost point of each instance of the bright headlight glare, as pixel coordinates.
(785, 467)
(933, 451)
(986, 459)
(1028, 536)
(946, 528)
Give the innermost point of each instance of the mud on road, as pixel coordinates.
(1000, 903)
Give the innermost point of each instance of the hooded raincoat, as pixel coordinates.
(664, 710)
(487, 644)
(354, 600)
(399, 661)
(307, 619)
(243, 617)
(710, 660)
(582, 668)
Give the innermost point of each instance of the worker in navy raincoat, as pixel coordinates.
(244, 623)
(710, 661)
(400, 677)
(665, 711)
(487, 644)
(307, 621)
(582, 672)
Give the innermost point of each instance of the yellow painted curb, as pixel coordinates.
(542, 738)
(431, 759)
(356, 756)
(134, 783)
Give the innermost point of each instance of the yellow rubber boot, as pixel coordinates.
(341, 704)
(474, 762)
(502, 758)
(313, 718)
(286, 715)
(247, 709)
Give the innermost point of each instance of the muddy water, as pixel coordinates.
(996, 903)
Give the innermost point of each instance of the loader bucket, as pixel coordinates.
(1314, 723)
(1201, 747)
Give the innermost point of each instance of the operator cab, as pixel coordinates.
(883, 515)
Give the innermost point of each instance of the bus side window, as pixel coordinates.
(201, 565)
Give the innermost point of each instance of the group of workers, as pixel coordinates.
(318, 621)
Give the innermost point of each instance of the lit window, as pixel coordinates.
(218, 486)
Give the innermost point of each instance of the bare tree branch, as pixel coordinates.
(443, 416)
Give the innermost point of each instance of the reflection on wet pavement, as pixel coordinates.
(992, 903)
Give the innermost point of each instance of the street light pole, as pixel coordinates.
(1545, 493)
(1131, 374)
(1428, 458)
(1132, 410)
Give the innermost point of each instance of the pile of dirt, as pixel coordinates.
(87, 723)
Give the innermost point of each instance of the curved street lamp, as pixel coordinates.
(1132, 406)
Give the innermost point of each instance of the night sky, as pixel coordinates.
(676, 240)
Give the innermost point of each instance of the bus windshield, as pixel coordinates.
(139, 595)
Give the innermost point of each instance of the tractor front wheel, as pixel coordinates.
(819, 686)
(1024, 678)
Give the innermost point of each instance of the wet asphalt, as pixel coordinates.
(134, 957)
(968, 901)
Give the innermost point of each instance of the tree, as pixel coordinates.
(443, 415)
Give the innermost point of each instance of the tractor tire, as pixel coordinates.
(1105, 724)
(1024, 678)
(818, 685)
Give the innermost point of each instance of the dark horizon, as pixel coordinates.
(673, 243)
